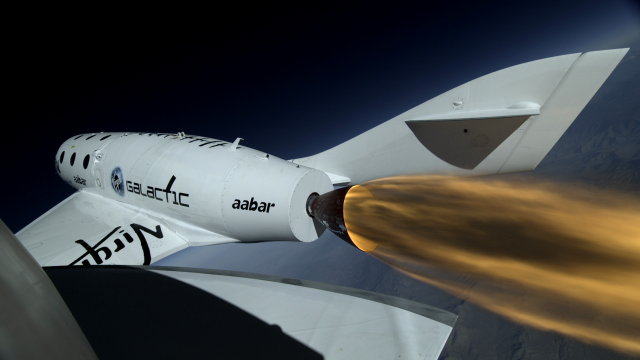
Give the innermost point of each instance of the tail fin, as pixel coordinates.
(500, 123)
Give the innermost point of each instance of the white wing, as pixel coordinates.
(90, 229)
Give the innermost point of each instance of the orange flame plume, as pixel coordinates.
(545, 255)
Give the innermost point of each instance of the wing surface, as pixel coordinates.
(88, 229)
(339, 322)
(238, 315)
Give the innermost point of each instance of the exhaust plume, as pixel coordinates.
(544, 255)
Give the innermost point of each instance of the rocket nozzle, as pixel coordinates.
(329, 209)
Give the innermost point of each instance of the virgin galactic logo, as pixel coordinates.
(117, 181)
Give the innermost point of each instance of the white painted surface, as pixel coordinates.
(52, 239)
(336, 325)
(208, 175)
(537, 87)
(280, 186)
(533, 109)
(574, 92)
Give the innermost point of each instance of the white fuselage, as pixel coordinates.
(211, 184)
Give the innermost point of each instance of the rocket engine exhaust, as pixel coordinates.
(547, 255)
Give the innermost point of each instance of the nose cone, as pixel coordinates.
(329, 209)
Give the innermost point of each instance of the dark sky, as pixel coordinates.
(290, 81)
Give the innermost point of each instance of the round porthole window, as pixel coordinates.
(61, 157)
(85, 163)
(73, 159)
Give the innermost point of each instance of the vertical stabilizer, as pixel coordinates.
(503, 122)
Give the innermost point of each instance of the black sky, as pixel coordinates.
(292, 81)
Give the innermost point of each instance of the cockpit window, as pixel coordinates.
(90, 137)
(73, 159)
(61, 157)
(85, 163)
(78, 137)
(105, 137)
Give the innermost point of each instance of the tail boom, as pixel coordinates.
(500, 123)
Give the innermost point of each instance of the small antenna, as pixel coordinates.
(235, 143)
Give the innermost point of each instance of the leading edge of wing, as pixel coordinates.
(336, 321)
(88, 229)
(433, 313)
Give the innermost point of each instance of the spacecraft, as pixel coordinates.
(143, 196)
